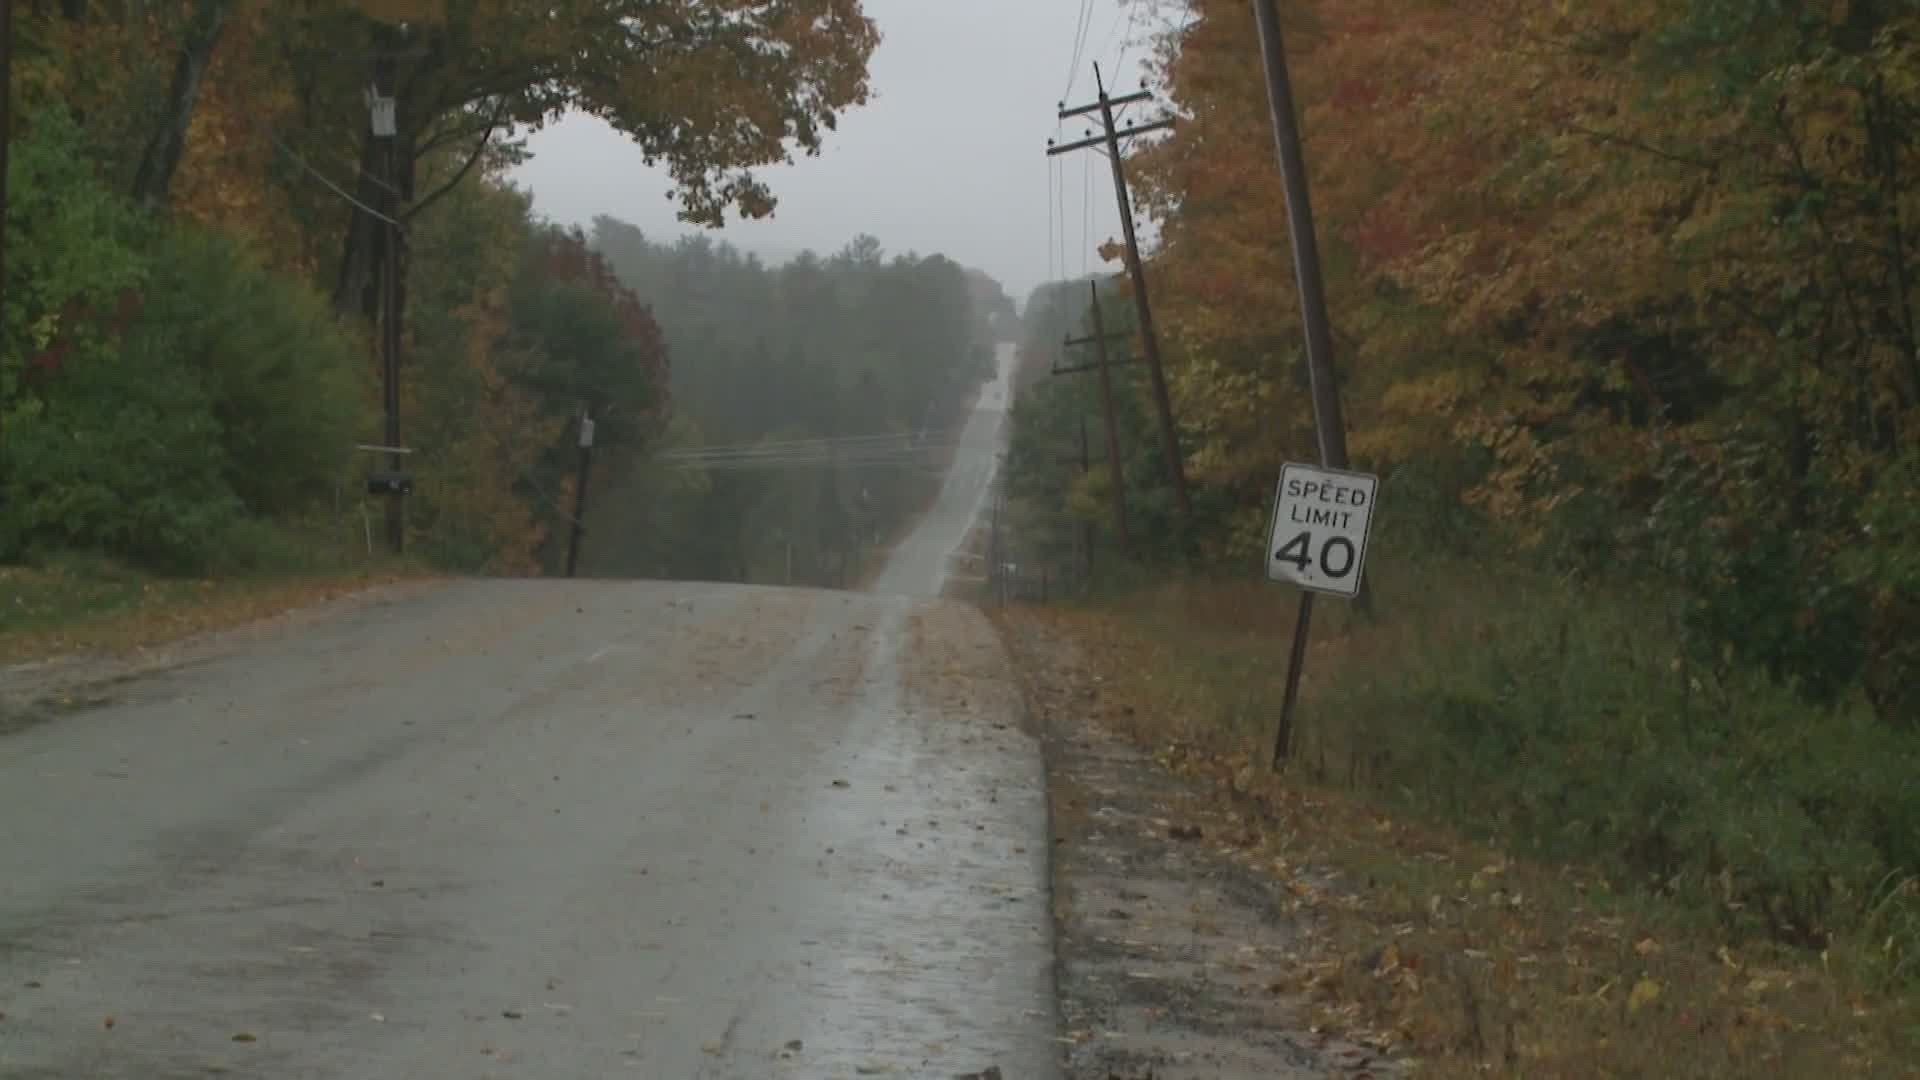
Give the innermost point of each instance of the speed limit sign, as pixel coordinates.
(1321, 519)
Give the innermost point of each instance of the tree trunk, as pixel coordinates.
(161, 158)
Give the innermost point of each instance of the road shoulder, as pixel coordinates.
(1178, 941)
(36, 691)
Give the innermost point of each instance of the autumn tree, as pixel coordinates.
(712, 90)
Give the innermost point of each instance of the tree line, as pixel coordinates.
(1624, 302)
(201, 215)
(840, 348)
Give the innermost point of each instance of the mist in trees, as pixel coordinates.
(850, 345)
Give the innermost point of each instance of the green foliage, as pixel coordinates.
(287, 382)
(122, 456)
(1580, 729)
(158, 383)
(73, 250)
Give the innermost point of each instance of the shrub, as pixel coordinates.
(283, 376)
(120, 456)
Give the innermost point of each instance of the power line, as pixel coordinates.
(1053, 170)
(1136, 270)
(1126, 8)
(1060, 192)
(1086, 215)
(330, 185)
(1085, 22)
(1126, 42)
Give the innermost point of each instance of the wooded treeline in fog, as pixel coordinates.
(197, 247)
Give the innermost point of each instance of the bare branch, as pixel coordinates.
(480, 148)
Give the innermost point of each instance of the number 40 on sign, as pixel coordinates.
(1321, 520)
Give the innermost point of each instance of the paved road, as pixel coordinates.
(546, 829)
(922, 566)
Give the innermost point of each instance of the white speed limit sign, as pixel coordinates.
(1321, 518)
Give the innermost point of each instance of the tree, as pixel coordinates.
(713, 90)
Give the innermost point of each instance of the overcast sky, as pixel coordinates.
(949, 157)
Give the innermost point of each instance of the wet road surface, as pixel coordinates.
(547, 829)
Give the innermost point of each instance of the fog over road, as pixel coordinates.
(548, 829)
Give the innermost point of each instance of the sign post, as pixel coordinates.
(1329, 427)
(1321, 521)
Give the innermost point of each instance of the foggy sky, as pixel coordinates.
(949, 157)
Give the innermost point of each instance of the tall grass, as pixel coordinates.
(1561, 721)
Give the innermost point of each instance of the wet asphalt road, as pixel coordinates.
(547, 829)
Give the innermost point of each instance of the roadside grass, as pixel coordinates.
(1558, 850)
(81, 603)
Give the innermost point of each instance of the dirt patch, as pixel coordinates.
(1180, 942)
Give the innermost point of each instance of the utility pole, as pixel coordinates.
(6, 129)
(580, 492)
(381, 108)
(1117, 471)
(1163, 402)
(1329, 426)
(1086, 529)
(1084, 459)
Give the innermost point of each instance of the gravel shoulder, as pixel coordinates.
(1178, 942)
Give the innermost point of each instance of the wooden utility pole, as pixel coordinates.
(1163, 402)
(1084, 459)
(580, 493)
(1086, 529)
(1329, 426)
(1116, 469)
(6, 129)
(381, 106)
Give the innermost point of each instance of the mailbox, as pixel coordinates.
(390, 483)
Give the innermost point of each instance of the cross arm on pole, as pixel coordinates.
(1100, 140)
(1093, 107)
(1077, 368)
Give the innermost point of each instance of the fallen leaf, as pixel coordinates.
(1389, 960)
(1644, 993)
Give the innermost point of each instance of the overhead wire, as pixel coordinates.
(1053, 170)
(1060, 192)
(1086, 215)
(1124, 9)
(1084, 23)
(1126, 40)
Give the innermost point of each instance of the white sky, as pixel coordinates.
(948, 158)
